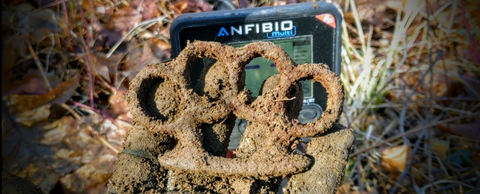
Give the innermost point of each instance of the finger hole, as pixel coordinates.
(206, 67)
(269, 51)
(260, 60)
(207, 64)
(159, 99)
(330, 81)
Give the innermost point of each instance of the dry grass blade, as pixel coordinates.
(394, 91)
(142, 25)
(415, 130)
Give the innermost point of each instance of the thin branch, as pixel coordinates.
(139, 25)
(411, 131)
(407, 169)
(451, 182)
(87, 50)
(98, 136)
(414, 89)
(39, 65)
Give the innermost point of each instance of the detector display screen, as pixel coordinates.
(308, 32)
(259, 69)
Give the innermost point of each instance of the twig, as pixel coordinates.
(450, 182)
(139, 25)
(75, 114)
(407, 169)
(39, 65)
(44, 76)
(87, 50)
(369, 103)
(104, 83)
(475, 114)
(409, 97)
(429, 110)
(92, 109)
(100, 138)
(359, 175)
(65, 13)
(347, 117)
(402, 116)
(359, 25)
(442, 166)
(452, 16)
(103, 140)
(52, 42)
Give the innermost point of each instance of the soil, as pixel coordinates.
(180, 134)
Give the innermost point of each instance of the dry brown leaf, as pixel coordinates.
(98, 160)
(165, 32)
(396, 5)
(57, 130)
(104, 38)
(245, 3)
(124, 122)
(116, 133)
(91, 177)
(67, 149)
(123, 20)
(31, 109)
(23, 103)
(101, 66)
(16, 185)
(189, 6)
(118, 104)
(371, 13)
(12, 14)
(181, 5)
(149, 9)
(160, 49)
(445, 84)
(138, 57)
(18, 86)
(395, 159)
(38, 85)
(470, 131)
(13, 49)
(41, 176)
(31, 83)
(441, 147)
(24, 155)
(106, 66)
(41, 24)
(346, 189)
(199, 6)
(109, 129)
(33, 116)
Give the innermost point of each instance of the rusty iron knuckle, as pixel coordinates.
(163, 101)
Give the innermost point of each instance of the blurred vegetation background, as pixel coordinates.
(410, 69)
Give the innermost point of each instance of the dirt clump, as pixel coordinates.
(180, 134)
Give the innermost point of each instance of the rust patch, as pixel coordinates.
(189, 126)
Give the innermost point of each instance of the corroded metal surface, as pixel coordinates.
(189, 126)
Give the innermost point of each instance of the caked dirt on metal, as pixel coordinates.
(181, 132)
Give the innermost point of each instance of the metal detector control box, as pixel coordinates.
(308, 32)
